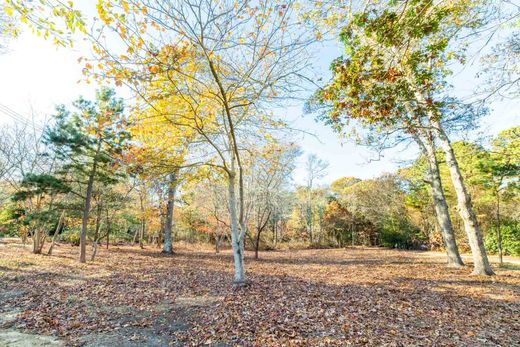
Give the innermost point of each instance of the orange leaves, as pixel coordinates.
(153, 69)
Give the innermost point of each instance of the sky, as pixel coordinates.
(35, 76)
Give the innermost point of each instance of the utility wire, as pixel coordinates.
(19, 118)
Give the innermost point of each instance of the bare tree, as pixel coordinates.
(316, 169)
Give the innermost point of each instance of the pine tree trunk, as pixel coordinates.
(37, 241)
(167, 247)
(441, 206)
(236, 242)
(481, 264)
(99, 222)
(86, 209)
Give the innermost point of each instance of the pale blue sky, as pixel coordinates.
(36, 75)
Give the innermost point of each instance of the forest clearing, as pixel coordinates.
(260, 173)
(353, 296)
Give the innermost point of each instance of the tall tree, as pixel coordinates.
(88, 141)
(160, 152)
(224, 61)
(315, 169)
(267, 174)
(502, 169)
(392, 79)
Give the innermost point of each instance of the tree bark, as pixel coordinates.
(96, 234)
(441, 206)
(60, 222)
(167, 247)
(38, 240)
(141, 234)
(499, 232)
(275, 234)
(257, 244)
(143, 221)
(481, 264)
(108, 229)
(86, 209)
(217, 244)
(236, 242)
(259, 230)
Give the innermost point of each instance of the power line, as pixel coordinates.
(19, 118)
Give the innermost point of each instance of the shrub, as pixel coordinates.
(510, 231)
(71, 236)
(400, 233)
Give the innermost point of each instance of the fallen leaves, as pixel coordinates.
(296, 298)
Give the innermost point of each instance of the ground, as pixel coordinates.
(353, 296)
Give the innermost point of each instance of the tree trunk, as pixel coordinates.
(481, 264)
(217, 244)
(38, 240)
(309, 216)
(108, 229)
(60, 221)
(441, 207)
(275, 234)
(96, 234)
(236, 242)
(257, 243)
(140, 231)
(499, 232)
(141, 234)
(86, 209)
(167, 247)
(94, 250)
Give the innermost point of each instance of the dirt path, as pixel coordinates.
(12, 337)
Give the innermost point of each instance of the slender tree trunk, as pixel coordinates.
(236, 241)
(39, 240)
(94, 251)
(140, 231)
(24, 236)
(86, 209)
(167, 247)
(108, 229)
(141, 234)
(36, 241)
(257, 242)
(60, 222)
(481, 264)
(309, 214)
(99, 222)
(275, 234)
(499, 232)
(441, 207)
